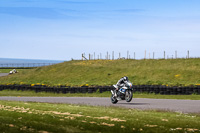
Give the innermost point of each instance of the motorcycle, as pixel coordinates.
(124, 93)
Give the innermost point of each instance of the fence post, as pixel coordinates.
(145, 54)
(164, 55)
(127, 54)
(153, 55)
(113, 55)
(188, 54)
(83, 57)
(149, 55)
(119, 55)
(134, 55)
(175, 54)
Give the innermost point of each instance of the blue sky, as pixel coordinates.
(64, 29)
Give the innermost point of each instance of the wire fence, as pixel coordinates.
(132, 55)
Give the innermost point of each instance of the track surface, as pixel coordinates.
(184, 106)
(3, 74)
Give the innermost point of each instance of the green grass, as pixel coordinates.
(104, 94)
(108, 72)
(46, 94)
(44, 117)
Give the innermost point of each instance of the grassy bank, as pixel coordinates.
(108, 72)
(44, 117)
(104, 94)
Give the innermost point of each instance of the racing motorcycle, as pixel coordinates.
(124, 93)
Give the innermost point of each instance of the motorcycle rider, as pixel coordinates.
(121, 83)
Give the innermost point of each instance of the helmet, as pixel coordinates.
(125, 78)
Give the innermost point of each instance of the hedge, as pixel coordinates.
(157, 89)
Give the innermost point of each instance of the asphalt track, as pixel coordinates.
(3, 74)
(183, 106)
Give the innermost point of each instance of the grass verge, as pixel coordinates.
(107, 72)
(44, 117)
(97, 94)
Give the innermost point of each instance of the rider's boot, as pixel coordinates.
(115, 93)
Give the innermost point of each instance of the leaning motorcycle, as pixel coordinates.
(124, 93)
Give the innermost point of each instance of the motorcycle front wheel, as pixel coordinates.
(113, 99)
(128, 95)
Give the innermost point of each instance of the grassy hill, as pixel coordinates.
(108, 72)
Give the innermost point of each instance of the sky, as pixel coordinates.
(64, 29)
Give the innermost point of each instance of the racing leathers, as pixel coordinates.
(121, 83)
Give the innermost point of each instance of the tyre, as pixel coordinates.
(113, 99)
(128, 95)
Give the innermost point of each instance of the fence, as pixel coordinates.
(24, 65)
(113, 56)
(157, 89)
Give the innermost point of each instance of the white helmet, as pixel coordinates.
(125, 78)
